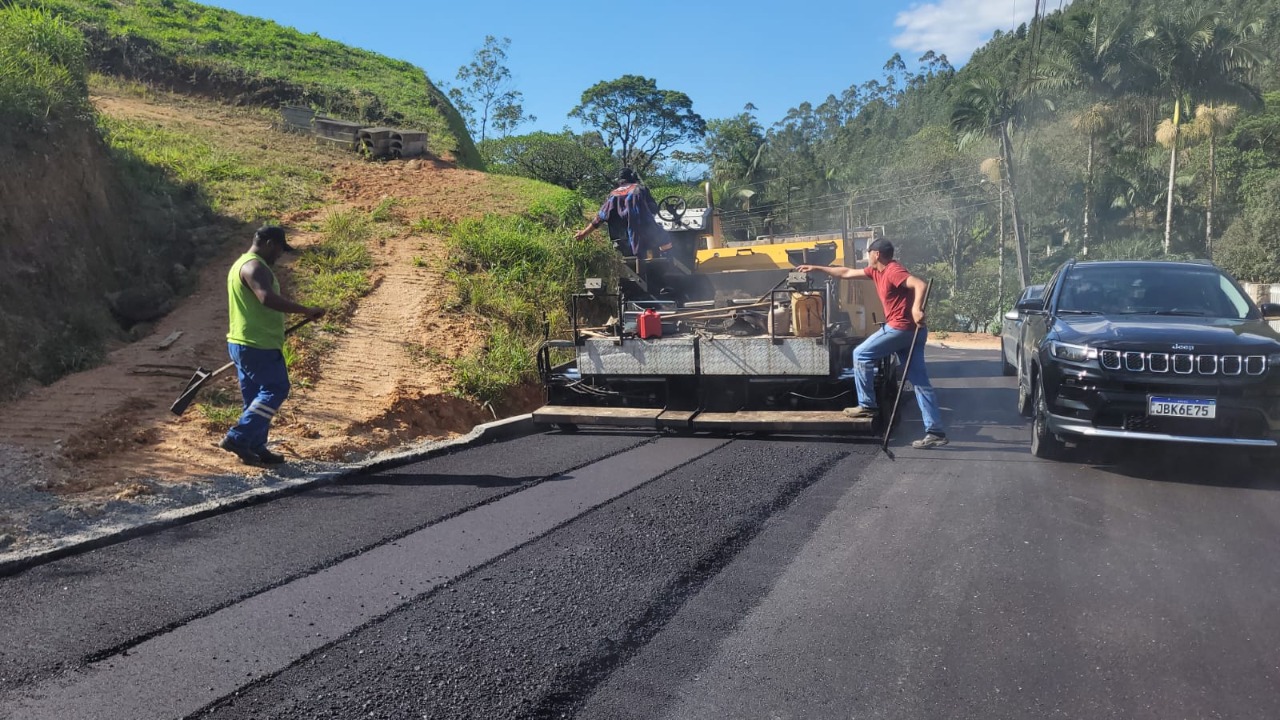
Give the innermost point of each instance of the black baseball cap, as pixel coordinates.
(881, 245)
(272, 233)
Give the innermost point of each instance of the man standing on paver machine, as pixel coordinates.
(903, 297)
(255, 342)
(630, 214)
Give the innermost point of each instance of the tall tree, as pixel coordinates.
(577, 162)
(639, 122)
(734, 148)
(1090, 57)
(989, 109)
(1211, 121)
(486, 97)
(1198, 56)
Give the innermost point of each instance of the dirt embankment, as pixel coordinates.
(106, 433)
(78, 264)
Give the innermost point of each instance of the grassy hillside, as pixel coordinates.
(42, 73)
(225, 54)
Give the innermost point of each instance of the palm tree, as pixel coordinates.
(987, 109)
(1200, 56)
(1090, 58)
(1210, 122)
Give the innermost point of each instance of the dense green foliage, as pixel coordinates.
(639, 122)
(576, 162)
(1251, 246)
(206, 49)
(515, 272)
(1106, 129)
(42, 71)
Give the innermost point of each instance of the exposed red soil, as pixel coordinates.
(380, 384)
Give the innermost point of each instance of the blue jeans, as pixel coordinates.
(264, 384)
(884, 343)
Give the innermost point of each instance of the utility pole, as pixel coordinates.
(1000, 279)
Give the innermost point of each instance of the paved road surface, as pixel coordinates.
(631, 576)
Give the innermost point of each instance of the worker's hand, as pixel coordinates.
(582, 234)
(917, 314)
(804, 268)
(314, 313)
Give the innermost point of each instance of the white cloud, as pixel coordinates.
(957, 27)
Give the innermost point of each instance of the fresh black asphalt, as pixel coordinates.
(744, 578)
(60, 615)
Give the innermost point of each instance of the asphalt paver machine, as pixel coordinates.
(718, 337)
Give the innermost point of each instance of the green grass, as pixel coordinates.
(43, 72)
(162, 160)
(219, 51)
(552, 206)
(517, 273)
(505, 362)
(435, 226)
(385, 211)
(334, 273)
(220, 410)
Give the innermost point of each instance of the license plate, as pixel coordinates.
(1182, 407)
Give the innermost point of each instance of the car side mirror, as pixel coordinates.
(1029, 305)
(1012, 315)
(1270, 310)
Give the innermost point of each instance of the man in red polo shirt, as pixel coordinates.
(903, 297)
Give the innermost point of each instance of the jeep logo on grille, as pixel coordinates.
(1184, 347)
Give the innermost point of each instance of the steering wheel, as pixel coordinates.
(671, 208)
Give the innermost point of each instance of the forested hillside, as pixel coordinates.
(1108, 129)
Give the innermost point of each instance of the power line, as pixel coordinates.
(746, 223)
(876, 159)
(861, 191)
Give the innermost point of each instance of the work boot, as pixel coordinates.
(860, 411)
(247, 456)
(267, 457)
(930, 440)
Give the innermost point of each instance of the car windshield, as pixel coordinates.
(1174, 290)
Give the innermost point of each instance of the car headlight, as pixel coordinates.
(1273, 360)
(1078, 354)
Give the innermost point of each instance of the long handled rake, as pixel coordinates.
(202, 378)
(902, 382)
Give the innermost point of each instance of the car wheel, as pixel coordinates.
(1024, 396)
(1006, 367)
(1044, 444)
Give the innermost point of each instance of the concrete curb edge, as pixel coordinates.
(497, 431)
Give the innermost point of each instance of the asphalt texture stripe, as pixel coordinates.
(222, 652)
(529, 635)
(84, 608)
(282, 481)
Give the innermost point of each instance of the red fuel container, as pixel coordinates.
(649, 324)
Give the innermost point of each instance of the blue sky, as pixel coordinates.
(773, 54)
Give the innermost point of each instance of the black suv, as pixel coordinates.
(1164, 351)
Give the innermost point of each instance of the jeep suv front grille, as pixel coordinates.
(1183, 363)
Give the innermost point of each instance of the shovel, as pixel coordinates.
(203, 376)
